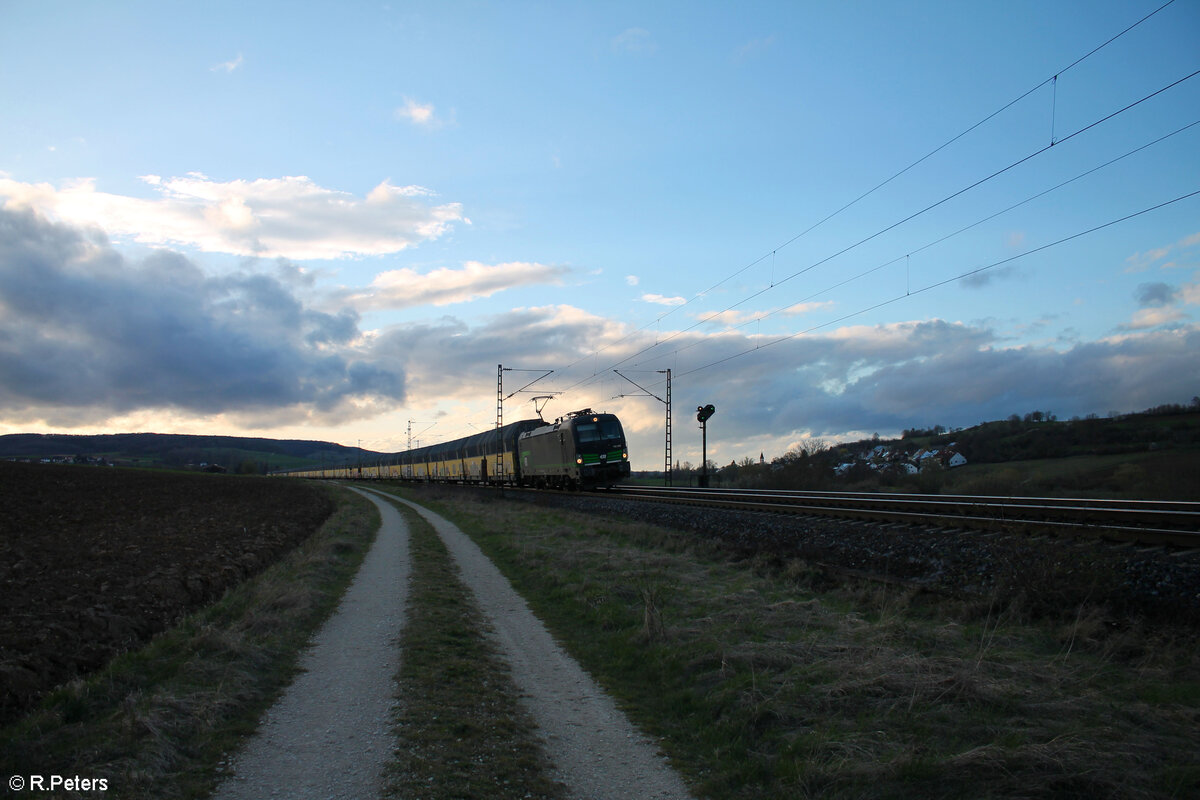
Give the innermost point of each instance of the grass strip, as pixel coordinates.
(159, 722)
(461, 728)
(776, 680)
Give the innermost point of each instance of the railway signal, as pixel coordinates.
(702, 415)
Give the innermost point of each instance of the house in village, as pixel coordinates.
(946, 456)
(880, 457)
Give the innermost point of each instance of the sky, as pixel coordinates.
(334, 221)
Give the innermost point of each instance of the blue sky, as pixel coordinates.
(326, 220)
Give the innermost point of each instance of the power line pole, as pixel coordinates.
(667, 470)
(500, 398)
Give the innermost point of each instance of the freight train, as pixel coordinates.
(583, 450)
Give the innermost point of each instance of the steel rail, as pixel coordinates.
(1153, 522)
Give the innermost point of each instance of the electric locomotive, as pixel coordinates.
(582, 449)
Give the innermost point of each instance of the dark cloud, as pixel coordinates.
(447, 357)
(86, 333)
(888, 378)
(1155, 294)
(979, 280)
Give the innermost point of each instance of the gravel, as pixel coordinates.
(330, 736)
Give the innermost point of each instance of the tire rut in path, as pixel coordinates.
(330, 735)
(596, 750)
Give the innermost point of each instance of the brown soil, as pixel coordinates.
(95, 561)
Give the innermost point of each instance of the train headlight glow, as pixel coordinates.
(578, 459)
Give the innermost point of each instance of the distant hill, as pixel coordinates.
(180, 451)
(1154, 454)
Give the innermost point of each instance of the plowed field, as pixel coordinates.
(95, 561)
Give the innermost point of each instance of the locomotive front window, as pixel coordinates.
(605, 430)
(588, 433)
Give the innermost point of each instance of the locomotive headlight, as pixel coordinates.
(578, 459)
(624, 456)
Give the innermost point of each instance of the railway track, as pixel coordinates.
(1176, 524)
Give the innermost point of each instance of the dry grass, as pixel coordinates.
(782, 682)
(461, 731)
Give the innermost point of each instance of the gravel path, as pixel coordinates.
(330, 735)
(596, 750)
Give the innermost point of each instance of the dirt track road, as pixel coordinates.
(329, 736)
(597, 752)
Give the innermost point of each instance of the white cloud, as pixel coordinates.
(1140, 262)
(421, 114)
(731, 319)
(1147, 318)
(632, 280)
(405, 288)
(661, 300)
(289, 217)
(807, 308)
(228, 66)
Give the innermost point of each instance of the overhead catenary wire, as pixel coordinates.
(893, 226)
(860, 198)
(906, 256)
(940, 283)
(600, 372)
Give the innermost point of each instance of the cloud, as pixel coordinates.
(1190, 293)
(730, 319)
(1153, 317)
(406, 288)
(661, 300)
(227, 66)
(88, 335)
(288, 217)
(538, 337)
(420, 114)
(632, 280)
(1156, 294)
(807, 308)
(980, 279)
(857, 378)
(634, 40)
(1160, 305)
(1140, 262)
(887, 378)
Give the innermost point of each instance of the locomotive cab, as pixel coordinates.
(582, 449)
(601, 457)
